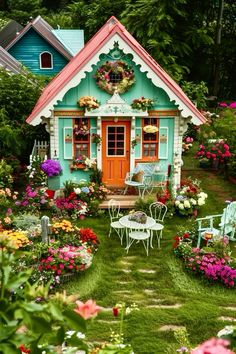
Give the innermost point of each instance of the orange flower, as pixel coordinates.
(88, 309)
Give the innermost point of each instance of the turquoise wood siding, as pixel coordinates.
(142, 87)
(28, 49)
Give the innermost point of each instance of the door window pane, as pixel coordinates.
(115, 141)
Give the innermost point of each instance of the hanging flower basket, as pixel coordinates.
(88, 102)
(115, 76)
(150, 129)
(96, 139)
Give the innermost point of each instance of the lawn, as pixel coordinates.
(167, 297)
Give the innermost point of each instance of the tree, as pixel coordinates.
(18, 95)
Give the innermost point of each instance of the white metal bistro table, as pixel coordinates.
(134, 225)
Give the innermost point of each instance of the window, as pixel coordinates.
(150, 140)
(46, 60)
(81, 137)
(115, 141)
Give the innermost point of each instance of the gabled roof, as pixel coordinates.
(9, 32)
(44, 30)
(72, 39)
(9, 63)
(102, 42)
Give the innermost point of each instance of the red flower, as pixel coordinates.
(23, 349)
(115, 311)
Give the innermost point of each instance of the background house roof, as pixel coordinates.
(112, 29)
(9, 63)
(9, 32)
(45, 30)
(72, 39)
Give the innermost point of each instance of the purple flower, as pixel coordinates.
(51, 168)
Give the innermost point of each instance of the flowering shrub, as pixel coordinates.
(224, 105)
(35, 175)
(33, 198)
(189, 197)
(18, 237)
(219, 150)
(51, 168)
(207, 263)
(213, 345)
(142, 103)
(115, 76)
(187, 143)
(89, 102)
(67, 259)
(7, 199)
(71, 206)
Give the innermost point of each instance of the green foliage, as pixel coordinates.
(18, 95)
(96, 176)
(144, 204)
(6, 170)
(45, 323)
(196, 92)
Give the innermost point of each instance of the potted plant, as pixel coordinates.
(142, 103)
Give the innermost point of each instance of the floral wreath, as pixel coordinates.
(124, 72)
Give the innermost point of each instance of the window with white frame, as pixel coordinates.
(46, 60)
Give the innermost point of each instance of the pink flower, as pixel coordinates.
(232, 105)
(88, 309)
(213, 346)
(223, 104)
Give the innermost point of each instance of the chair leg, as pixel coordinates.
(126, 188)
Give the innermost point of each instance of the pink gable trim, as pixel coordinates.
(110, 28)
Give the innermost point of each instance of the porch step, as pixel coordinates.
(126, 201)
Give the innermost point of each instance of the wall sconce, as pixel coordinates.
(116, 119)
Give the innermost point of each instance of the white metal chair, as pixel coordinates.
(143, 184)
(158, 212)
(114, 213)
(226, 224)
(138, 234)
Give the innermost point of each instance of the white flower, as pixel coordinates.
(226, 331)
(187, 204)
(201, 201)
(77, 190)
(177, 202)
(150, 129)
(193, 201)
(181, 206)
(202, 195)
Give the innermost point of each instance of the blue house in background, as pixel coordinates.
(42, 49)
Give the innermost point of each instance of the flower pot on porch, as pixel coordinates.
(54, 183)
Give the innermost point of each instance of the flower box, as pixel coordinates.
(78, 166)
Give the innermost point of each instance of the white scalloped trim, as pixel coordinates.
(46, 112)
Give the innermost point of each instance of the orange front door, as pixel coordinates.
(115, 152)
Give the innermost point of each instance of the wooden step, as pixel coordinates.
(126, 201)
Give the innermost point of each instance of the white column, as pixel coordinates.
(132, 151)
(99, 146)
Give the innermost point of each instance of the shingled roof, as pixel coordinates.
(9, 32)
(9, 63)
(100, 43)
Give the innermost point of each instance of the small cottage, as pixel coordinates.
(42, 49)
(114, 106)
